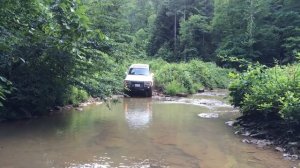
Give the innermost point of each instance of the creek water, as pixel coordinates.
(135, 133)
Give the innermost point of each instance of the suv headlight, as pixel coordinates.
(148, 83)
(127, 83)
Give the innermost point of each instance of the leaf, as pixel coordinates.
(3, 79)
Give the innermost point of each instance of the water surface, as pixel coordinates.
(137, 132)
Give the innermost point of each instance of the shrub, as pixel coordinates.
(192, 76)
(242, 83)
(174, 76)
(174, 87)
(268, 93)
(209, 74)
(76, 96)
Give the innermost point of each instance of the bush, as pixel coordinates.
(77, 96)
(272, 93)
(242, 83)
(174, 87)
(188, 77)
(209, 74)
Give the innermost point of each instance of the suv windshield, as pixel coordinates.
(138, 71)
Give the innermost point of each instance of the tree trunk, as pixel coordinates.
(175, 34)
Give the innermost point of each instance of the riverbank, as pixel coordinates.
(268, 135)
(268, 99)
(78, 107)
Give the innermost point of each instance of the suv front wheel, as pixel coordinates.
(149, 93)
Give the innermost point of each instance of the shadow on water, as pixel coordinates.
(137, 132)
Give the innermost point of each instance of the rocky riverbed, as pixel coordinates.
(268, 138)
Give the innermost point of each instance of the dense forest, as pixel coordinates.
(63, 51)
(232, 33)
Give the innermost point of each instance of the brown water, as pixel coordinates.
(138, 132)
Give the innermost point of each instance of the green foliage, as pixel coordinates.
(162, 33)
(47, 49)
(256, 30)
(268, 93)
(181, 30)
(174, 87)
(188, 77)
(242, 83)
(209, 74)
(234, 33)
(195, 38)
(76, 96)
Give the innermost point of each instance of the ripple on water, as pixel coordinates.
(126, 162)
(207, 103)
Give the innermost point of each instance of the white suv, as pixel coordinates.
(139, 79)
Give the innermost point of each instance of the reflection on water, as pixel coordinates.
(138, 112)
(136, 133)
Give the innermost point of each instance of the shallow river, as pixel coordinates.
(137, 132)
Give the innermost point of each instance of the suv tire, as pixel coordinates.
(149, 93)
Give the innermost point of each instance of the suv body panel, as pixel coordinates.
(139, 78)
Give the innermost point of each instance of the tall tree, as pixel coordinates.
(195, 38)
(168, 25)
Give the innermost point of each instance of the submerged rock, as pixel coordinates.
(230, 123)
(58, 108)
(295, 157)
(246, 141)
(200, 91)
(84, 104)
(280, 149)
(260, 135)
(67, 107)
(208, 115)
(182, 94)
(79, 109)
(98, 102)
(260, 143)
(288, 156)
(293, 143)
(237, 132)
(246, 133)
